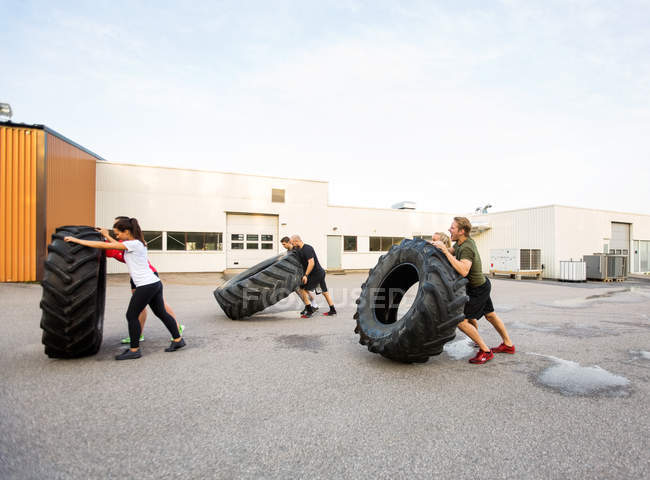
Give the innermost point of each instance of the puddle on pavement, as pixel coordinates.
(460, 349)
(571, 379)
(624, 295)
(640, 354)
(310, 343)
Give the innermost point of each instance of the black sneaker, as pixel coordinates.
(175, 345)
(304, 310)
(309, 311)
(128, 355)
(331, 312)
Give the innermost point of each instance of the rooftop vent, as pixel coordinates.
(406, 205)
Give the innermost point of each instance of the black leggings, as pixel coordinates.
(151, 295)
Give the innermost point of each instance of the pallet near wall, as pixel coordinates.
(537, 274)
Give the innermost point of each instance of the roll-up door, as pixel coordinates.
(250, 239)
(620, 241)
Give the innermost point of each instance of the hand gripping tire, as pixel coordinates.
(260, 286)
(431, 320)
(74, 294)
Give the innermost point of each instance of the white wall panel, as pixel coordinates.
(168, 199)
(530, 228)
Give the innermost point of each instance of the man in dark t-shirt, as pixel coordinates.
(314, 276)
(466, 260)
(286, 243)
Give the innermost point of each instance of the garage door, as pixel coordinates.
(620, 241)
(250, 239)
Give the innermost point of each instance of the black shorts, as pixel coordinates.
(480, 302)
(133, 284)
(314, 281)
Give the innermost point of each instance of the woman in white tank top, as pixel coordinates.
(148, 291)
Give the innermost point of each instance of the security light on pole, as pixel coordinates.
(5, 110)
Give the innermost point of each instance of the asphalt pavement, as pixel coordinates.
(276, 396)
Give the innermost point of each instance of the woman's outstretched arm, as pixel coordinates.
(108, 245)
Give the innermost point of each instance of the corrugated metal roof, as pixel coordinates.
(47, 129)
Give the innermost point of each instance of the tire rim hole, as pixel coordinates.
(396, 294)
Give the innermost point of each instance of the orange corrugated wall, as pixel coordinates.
(70, 185)
(18, 157)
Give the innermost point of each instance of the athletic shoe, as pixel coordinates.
(180, 330)
(331, 312)
(128, 355)
(503, 348)
(175, 345)
(307, 312)
(128, 339)
(315, 307)
(482, 357)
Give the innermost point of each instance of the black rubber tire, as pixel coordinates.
(260, 286)
(74, 295)
(431, 320)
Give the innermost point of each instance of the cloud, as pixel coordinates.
(536, 100)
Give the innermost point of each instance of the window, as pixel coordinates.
(153, 240)
(277, 195)
(194, 241)
(349, 244)
(251, 241)
(383, 244)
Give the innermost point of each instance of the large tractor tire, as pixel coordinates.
(260, 286)
(74, 294)
(431, 320)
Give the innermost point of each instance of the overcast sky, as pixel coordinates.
(451, 104)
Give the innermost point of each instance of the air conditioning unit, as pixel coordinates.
(516, 261)
(606, 267)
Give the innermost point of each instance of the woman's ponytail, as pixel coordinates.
(131, 224)
(136, 231)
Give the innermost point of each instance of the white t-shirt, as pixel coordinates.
(136, 260)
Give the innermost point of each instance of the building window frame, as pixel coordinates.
(175, 238)
(277, 195)
(384, 243)
(350, 243)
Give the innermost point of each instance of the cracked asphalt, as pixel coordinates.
(277, 396)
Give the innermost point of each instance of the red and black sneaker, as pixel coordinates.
(482, 357)
(331, 312)
(503, 348)
(307, 312)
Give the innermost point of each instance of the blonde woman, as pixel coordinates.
(442, 237)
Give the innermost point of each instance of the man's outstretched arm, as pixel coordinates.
(461, 266)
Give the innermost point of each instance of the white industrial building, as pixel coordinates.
(202, 221)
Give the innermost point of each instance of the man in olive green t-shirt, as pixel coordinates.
(465, 259)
